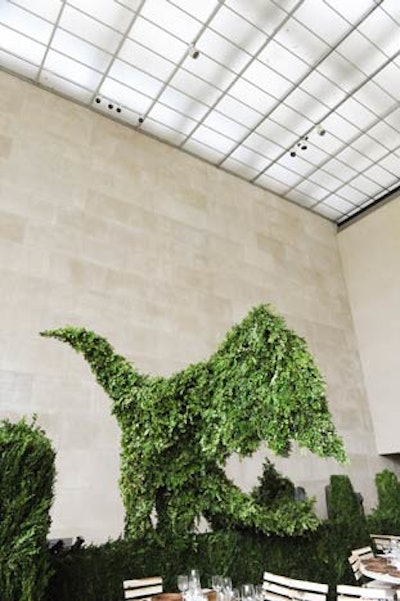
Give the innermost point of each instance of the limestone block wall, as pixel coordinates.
(370, 252)
(161, 253)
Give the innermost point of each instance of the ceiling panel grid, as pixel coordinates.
(300, 97)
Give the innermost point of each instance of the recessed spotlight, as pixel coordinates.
(141, 120)
(98, 100)
(293, 153)
(110, 106)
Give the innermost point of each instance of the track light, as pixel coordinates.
(193, 51)
(321, 131)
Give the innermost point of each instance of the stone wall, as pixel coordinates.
(161, 253)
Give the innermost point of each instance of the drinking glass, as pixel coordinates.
(248, 592)
(183, 583)
(259, 592)
(194, 580)
(217, 583)
(236, 594)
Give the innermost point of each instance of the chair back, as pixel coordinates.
(142, 588)
(354, 562)
(346, 592)
(363, 552)
(383, 542)
(282, 588)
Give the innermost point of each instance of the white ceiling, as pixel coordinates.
(318, 79)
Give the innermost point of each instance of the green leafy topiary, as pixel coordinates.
(343, 502)
(177, 432)
(26, 493)
(385, 517)
(273, 488)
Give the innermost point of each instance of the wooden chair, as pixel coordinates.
(354, 560)
(346, 592)
(142, 589)
(382, 542)
(282, 588)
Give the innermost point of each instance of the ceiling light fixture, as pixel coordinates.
(193, 51)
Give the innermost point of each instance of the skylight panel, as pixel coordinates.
(391, 163)
(301, 41)
(388, 79)
(198, 88)
(239, 168)
(300, 198)
(354, 159)
(278, 134)
(358, 50)
(146, 60)
(267, 79)
(252, 96)
(369, 148)
(357, 114)
(297, 164)
(198, 10)
(340, 170)
(238, 30)
(285, 62)
(375, 98)
(313, 190)
(339, 69)
(125, 96)
(324, 179)
(226, 126)
(341, 205)
(385, 135)
(327, 211)
(213, 139)
(307, 105)
(203, 150)
(380, 175)
(270, 183)
(21, 46)
(235, 109)
(89, 29)
(291, 119)
(184, 103)
(18, 65)
(46, 9)
(208, 69)
(64, 86)
(162, 131)
(172, 119)
(365, 185)
(180, 24)
(329, 24)
(324, 90)
(394, 119)
(264, 14)
(71, 70)
(110, 13)
(263, 146)
(284, 175)
(223, 51)
(380, 29)
(351, 194)
(157, 40)
(80, 50)
(351, 11)
(143, 83)
(27, 24)
(254, 159)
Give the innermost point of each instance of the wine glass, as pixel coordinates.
(259, 592)
(217, 583)
(183, 583)
(236, 594)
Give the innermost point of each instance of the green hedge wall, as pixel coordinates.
(96, 573)
(26, 493)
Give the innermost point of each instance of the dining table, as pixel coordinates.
(385, 568)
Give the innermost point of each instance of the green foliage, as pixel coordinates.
(385, 518)
(261, 384)
(273, 487)
(26, 493)
(343, 503)
(96, 573)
